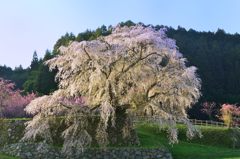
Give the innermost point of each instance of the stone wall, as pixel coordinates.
(44, 151)
(11, 131)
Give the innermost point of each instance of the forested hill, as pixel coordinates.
(216, 55)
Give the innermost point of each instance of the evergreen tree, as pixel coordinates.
(34, 63)
(41, 80)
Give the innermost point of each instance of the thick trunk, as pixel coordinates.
(123, 133)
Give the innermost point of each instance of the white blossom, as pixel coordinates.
(136, 68)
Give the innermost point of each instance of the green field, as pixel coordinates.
(215, 144)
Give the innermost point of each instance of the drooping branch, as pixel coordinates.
(120, 71)
(85, 51)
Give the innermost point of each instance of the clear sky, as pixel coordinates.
(28, 25)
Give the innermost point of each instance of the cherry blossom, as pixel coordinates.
(114, 73)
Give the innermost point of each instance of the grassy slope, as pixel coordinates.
(203, 148)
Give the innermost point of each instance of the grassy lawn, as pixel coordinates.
(203, 148)
(7, 157)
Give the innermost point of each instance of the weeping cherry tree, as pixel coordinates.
(135, 70)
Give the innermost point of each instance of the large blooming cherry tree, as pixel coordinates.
(134, 70)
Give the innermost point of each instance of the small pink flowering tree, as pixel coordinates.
(12, 102)
(230, 114)
(209, 108)
(6, 89)
(15, 105)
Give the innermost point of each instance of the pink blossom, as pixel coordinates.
(72, 101)
(230, 114)
(12, 102)
(209, 108)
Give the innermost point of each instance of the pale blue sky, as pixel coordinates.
(28, 25)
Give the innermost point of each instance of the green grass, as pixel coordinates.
(213, 136)
(204, 148)
(14, 119)
(7, 157)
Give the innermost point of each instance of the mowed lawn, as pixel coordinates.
(215, 144)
